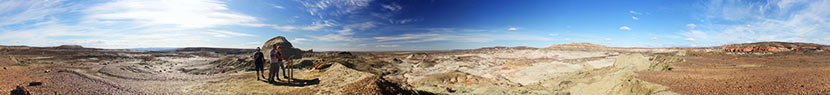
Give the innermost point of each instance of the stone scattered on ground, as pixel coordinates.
(35, 83)
(19, 90)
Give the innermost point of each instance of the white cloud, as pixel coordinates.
(122, 24)
(690, 39)
(553, 34)
(334, 37)
(362, 26)
(278, 7)
(346, 31)
(254, 43)
(387, 46)
(324, 8)
(740, 21)
(635, 12)
(654, 38)
(179, 13)
(625, 28)
(406, 37)
(228, 34)
(403, 21)
(313, 27)
(608, 39)
(691, 26)
(635, 18)
(19, 11)
(299, 40)
(512, 29)
(456, 37)
(392, 7)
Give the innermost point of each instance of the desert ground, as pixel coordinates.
(569, 69)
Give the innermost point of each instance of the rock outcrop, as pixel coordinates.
(288, 50)
(617, 80)
(339, 79)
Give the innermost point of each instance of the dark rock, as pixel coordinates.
(20, 91)
(450, 90)
(397, 60)
(345, 53)
(35, 83)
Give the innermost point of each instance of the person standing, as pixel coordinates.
(259, 65)
(276, 64)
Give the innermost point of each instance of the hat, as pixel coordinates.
(257, 48)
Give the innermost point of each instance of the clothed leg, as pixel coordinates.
(282, 66)
(271, 71)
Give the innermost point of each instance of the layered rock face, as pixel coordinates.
(288, 51)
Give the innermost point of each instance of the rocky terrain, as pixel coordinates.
(568, 69)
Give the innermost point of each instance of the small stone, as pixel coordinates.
(450, 90)
(47, 71)
(35, 83)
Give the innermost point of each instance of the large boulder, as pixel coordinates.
(288, 50)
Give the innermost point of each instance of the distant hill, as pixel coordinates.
(775, 44)
(218, 50)
(578, 45)
(154, 49)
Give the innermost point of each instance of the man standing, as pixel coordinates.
(276, 64)
(259, 64)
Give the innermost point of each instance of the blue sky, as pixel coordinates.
(377, 25)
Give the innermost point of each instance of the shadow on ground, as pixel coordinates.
(295, 82)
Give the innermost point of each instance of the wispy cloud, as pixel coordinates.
(512, 29)
(387, 46)
(553, 34)
(325, 8)
(228, 34)
(278, 6)
(122, 24)
(335, 37)
(299, 40)
(625, 28)
(750, 21)
(635, 12)
(179, 13)
(691, 26)
(291, 28)
(346, 31)
(455, 35)
(19, 11)
(635, 18)
(418, 37)
(690, 39)
(392, 7)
